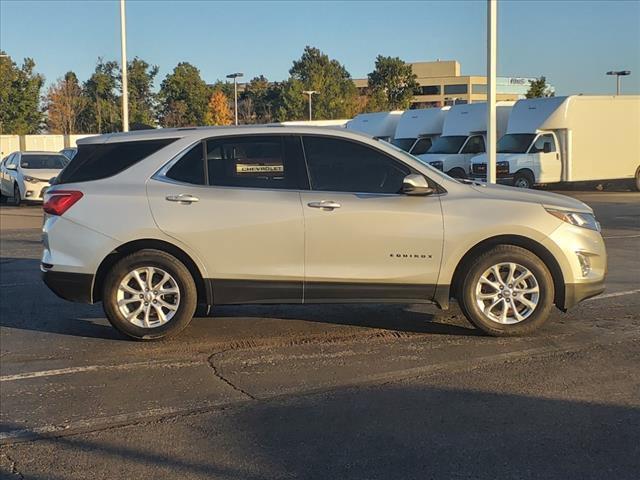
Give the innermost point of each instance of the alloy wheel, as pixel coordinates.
(507, 293)
(148, 297)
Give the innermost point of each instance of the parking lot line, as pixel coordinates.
(614, 294)
(92, 368)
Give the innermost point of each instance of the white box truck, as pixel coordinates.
(464, 136)
(418, 129)
(380, 125)
(578, 138)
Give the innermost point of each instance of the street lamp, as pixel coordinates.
(618, 74)
(310, 93)
(125, 88)
(235, 77)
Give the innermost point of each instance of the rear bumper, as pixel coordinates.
(575, 293)
(75, 287)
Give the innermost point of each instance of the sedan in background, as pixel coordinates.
(69, 152)
(25, 176)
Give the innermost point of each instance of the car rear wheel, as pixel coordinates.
(457, 173)
(523, 180)
(638, 179)
(507, 291)
(149, 295)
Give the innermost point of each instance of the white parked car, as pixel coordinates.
(153, 223)
(25, 176)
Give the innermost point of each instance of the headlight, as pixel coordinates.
(437, 165)
(579, 219)
(29, 179)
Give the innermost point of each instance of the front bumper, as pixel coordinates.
(34, 192)
(75, 287)
(502, 180)
(575, 293)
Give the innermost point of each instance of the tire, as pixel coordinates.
(152, 326)
(523, 180)
(17, 198)
(637, 183)
(457, 173)
(472, 286)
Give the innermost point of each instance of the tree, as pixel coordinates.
(291, 102)
(102, 112)
(142, 100)
(65, 104)
(262, 100)
(539, 88)
(20, 111)
(184, 96)
(337, 97)
(394, 81)
(218, 111)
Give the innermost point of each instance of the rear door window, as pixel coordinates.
(102, 160)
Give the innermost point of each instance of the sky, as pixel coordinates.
(572, 43)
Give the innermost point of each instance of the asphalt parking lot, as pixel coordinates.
(333, 391)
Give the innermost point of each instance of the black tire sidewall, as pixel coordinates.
(523, 175)
(505, 254)
(17, 199)
(152, 258)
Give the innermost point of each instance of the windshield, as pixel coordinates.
(403, 143)
(515, 143)
(50, 162)
(436, 172)
(449, 144)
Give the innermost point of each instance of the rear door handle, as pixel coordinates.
(328, 204)
(182, 198)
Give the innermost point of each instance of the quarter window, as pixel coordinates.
(338, 165)
(474, 145)
(190, 167)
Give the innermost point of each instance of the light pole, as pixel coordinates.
(125, 88)
(235, 77)
(310, 93)
(492, 54)
(618, 74)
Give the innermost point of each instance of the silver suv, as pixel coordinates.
(155, 223)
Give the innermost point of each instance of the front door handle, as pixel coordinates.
(324, 204)
(183, 198)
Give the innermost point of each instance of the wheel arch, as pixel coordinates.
(519, 241)
(204, 292)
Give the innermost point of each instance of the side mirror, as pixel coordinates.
(13, 166)
(415, 184)
(546, 147)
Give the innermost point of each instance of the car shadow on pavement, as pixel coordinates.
(395, 317)
(382, 432)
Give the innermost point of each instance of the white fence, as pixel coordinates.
(47, 143)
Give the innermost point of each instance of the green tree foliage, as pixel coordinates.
(392, 84)
(65, 105)
(20, 87)
(142, 99)
(184, 96)
(291, 101)
(337, 97)
(103, 111)
(262, 99)
(539, 88)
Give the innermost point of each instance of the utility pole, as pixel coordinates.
(235, 77)
(310, 93)
(125, 87)
(492, 53)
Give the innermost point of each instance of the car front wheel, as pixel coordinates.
(149, 295)
(507, 291)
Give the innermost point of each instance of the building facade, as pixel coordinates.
(441, 84)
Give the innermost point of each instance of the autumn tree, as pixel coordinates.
(184, 97)
(65, 104)
(218, 111)
(392, 84)
(539, 88)
(20, 87)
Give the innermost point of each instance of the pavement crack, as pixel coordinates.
(217, 373)
(13, 466)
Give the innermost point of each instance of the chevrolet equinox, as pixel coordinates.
(157, 223)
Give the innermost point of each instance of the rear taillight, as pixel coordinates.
(59, 201)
